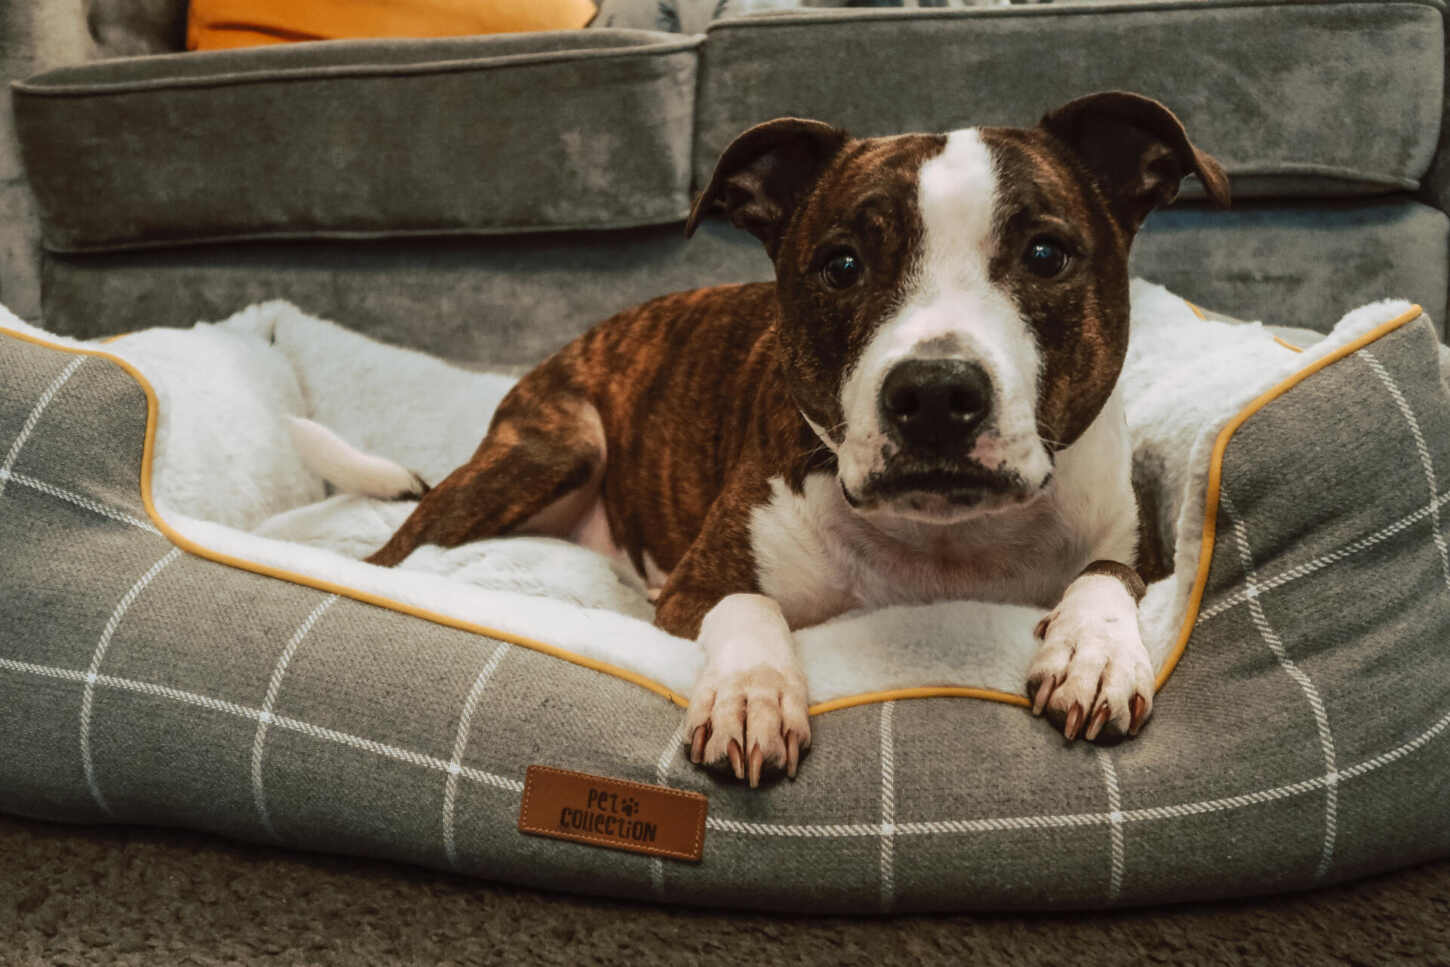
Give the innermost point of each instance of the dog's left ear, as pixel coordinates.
(1137, 149)
(764, 173)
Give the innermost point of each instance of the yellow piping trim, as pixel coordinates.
(1288, 345)
(1215, 474)
(930, 691)
(1195, 598)
(1196, 310)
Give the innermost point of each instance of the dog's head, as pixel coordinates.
(954, 307)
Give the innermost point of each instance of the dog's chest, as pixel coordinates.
(818, 559)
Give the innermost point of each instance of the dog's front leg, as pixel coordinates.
(1092, 666)
(749, 704)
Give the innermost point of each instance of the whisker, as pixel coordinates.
(1049, 440)
(830, 433)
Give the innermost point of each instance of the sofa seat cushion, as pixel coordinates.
(354, 139)
(515, 300)
(1296, 98)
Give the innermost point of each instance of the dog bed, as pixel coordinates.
(189, 639)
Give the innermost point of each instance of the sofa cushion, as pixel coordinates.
(1329, 97)
(473, 135)
(516, 299)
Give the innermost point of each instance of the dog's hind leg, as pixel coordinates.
(538, 471)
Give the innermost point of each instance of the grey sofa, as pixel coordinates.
(487, 197)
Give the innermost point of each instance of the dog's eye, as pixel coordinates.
(1045, 257)
(842, 270)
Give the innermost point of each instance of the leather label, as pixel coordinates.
(615, 813)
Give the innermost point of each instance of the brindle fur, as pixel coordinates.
(693, 374)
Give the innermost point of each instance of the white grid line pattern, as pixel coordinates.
(28, 427)
(1202, 807)
(88, 694)
(254, 714)
(86, 503)
(958, 826)
(662, 772)
(1115, 823)
(460, 745)
(1319, 563)
(128, 685)
(1425, 461)
(264, 719)
(1306, 685)
(409, 756)
(888, 808)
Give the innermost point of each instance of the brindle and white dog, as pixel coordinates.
(920, 407)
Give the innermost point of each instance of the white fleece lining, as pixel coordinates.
(226, 476)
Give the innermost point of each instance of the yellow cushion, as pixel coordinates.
(219, 24)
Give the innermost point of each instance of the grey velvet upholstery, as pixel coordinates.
(369, 138)
(34, 35)
(505, 300)
(1295, 99)
(1300, 263)
(512, 300)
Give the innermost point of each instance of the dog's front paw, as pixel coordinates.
(1092, 668)
(750, 718)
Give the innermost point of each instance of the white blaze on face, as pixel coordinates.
(950, 308)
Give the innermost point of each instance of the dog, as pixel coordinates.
(922, 406)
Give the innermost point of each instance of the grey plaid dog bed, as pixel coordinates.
(148, 674)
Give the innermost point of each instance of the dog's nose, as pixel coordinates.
(936, 404)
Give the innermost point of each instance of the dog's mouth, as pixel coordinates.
(941, 494)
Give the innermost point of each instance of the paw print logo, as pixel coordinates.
(629, 806)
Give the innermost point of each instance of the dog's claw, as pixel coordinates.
(1074, 722)
(1044, 692)
(757, 762)
(751, 723)
(1099, 719)
(1137, 705)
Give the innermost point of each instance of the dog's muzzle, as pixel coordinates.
(934, 411)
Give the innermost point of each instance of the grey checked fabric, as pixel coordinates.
(1301, 740)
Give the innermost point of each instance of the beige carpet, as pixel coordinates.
(128, 896)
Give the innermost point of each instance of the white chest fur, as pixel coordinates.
(818, 558)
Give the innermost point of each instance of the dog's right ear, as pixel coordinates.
(764, 173)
